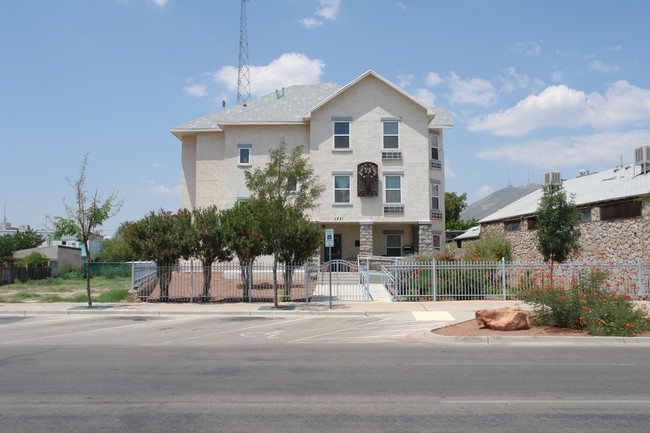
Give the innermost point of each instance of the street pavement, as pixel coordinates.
(431, 315)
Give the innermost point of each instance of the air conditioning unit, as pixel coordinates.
(552, 178)
(642, 155)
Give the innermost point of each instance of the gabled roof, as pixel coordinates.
(294, 105)
(609, 185)
(285, 107)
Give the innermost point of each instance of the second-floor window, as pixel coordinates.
(435, 196)
(391, 134)
(435, 147)
(244, 156)
(341, 135)
(341, 189)
(393, 188)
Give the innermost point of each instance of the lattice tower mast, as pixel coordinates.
(243, 74)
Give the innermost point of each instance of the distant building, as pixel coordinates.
(614, 222)
(60, 256)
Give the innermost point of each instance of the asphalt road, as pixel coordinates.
(298, 374)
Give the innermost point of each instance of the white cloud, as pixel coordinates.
(425, 96)
(471, 91)
(513, 80)
(529, 48)
(558, 76)
(449, 171)
(401, 6)
(197, 90)
(433, 79)
(159, 3)
(328, 10)
(161, 190)
(404, 79)
(483, 192)
(587, 150)
(599, 66)
(562, 106)
(287, 70)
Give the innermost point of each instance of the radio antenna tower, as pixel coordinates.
(243, 74)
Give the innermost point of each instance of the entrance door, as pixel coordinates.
(393, 245)
(334, 253)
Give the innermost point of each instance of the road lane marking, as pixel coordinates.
(234, 330)
(99, 330)
(337, 331)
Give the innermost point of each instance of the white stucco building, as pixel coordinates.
(377, 149)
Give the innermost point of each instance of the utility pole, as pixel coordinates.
(243, 74)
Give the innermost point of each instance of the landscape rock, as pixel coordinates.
(502, 319)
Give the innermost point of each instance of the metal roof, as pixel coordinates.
(615, 184)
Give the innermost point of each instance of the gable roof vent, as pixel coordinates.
(642, 158)
(552, 178)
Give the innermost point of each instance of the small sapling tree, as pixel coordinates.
(88, 212)
(558, 231)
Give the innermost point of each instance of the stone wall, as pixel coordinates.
(619, 241)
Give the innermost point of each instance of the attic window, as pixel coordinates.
(629, 209)
(512, 226)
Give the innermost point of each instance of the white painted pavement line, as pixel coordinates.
(548, 402)
(236, 330)
(338, 331)
(100, 330)
(43, 321)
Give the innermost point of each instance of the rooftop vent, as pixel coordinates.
(553, 178)
(642, 158)
(583, 173)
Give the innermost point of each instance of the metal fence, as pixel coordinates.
(457, 280)
(237, 282)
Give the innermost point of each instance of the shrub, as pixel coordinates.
(72, 273)
(108, 272)
(32, 259)
(586, 304)
(492, 247)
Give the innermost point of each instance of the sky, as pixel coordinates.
(532, 86)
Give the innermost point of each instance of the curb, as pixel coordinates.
(537, 340)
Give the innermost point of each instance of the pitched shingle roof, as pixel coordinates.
(608, 185)
(290, 105)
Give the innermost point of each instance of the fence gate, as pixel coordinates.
(345, 282)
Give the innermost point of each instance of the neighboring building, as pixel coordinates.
(60, 256)
(377, 150)
(95, 243)
(614, 222)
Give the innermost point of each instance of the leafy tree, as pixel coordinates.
(158, 237)
(242, 236)
(116, 249)
(33, 259)
(204, 238)
(88, 212)
(281, 191)
(492, 247)
(302, 239)
(19, 241)
(454, 205)
(558, 231)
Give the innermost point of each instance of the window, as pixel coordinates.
(393, 245)
(342, 189)
(531, 222)
(585, 215)
(293, 185)
(435, 196)
(341, 135)
(393, 187)
(391, 135)
(244, 156)
(628, 209)
(435, 151)
(512, 226)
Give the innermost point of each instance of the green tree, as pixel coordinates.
(558, 231)
(159, 237)
(19, 241)
(88, 212)
(454, 205)
(243, 237)
(281, 191)
(33, 259)
(205, 239)
(302, 238)
(116, 249)
(491, 247)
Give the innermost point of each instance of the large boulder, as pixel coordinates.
(503, 319)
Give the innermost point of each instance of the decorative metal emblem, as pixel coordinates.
(367, 180)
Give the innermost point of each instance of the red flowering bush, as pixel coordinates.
(587, 304)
